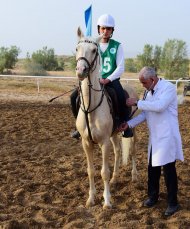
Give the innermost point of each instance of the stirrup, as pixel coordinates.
(75, 134)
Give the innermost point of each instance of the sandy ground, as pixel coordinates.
(43, 178)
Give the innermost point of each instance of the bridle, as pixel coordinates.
(91, 67)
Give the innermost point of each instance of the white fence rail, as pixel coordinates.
(75, 78)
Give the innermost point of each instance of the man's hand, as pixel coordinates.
(123, 127)
(131, 102)
(104, 81)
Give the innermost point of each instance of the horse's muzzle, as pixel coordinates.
(82, 72)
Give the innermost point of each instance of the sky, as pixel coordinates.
(33, 24)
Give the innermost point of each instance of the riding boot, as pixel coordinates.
(127, 133)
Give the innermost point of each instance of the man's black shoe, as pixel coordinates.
(171, 210)
(75, 134)
(149, 202)
(127, 133)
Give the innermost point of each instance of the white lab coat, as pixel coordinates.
(161, 114)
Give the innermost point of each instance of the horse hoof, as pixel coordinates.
(134, 178)
(89, 203)
(113, 181)
(107, 206)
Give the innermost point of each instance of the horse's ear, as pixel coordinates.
(98, 39)
(80, 33)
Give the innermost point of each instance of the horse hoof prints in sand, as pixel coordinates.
(94, 121)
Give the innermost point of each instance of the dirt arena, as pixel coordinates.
(43, 178)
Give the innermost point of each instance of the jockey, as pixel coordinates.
(112, 56)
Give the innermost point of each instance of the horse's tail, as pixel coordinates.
(128, 148)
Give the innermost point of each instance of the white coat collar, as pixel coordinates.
(157, 85)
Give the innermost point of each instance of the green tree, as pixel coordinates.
(8, 57)
(157, 57)
(130, 65)
(145, 59)
(46, 58)
(73, 62)
(151, 57)
(61, 64)
(174, 59)
(2, 64)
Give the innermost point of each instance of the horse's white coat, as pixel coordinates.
(100, 122)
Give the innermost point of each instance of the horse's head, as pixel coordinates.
(86, 55)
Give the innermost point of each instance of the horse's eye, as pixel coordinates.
(94, 50)
(76, 49)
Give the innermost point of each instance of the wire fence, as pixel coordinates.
(67, 78)
(47, 87)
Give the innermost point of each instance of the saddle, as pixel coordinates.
(113, 104)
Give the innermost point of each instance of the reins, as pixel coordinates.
(101, 99)
(61, 95)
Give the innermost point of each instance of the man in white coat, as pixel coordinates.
(159, 110)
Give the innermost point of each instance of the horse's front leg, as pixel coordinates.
(88, 148)
(105, 172)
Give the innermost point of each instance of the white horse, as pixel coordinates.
(94, 121)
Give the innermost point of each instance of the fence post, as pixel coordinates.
(177, 81)
(38, 85)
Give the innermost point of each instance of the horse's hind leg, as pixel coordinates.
(117, 152)
(88, 148)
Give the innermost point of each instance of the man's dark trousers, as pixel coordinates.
(170, 177)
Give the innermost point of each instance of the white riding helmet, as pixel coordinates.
(106, 20)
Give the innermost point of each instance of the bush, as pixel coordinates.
(34, 69)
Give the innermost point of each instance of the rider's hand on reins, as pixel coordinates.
(131, 102)
(104, 81)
